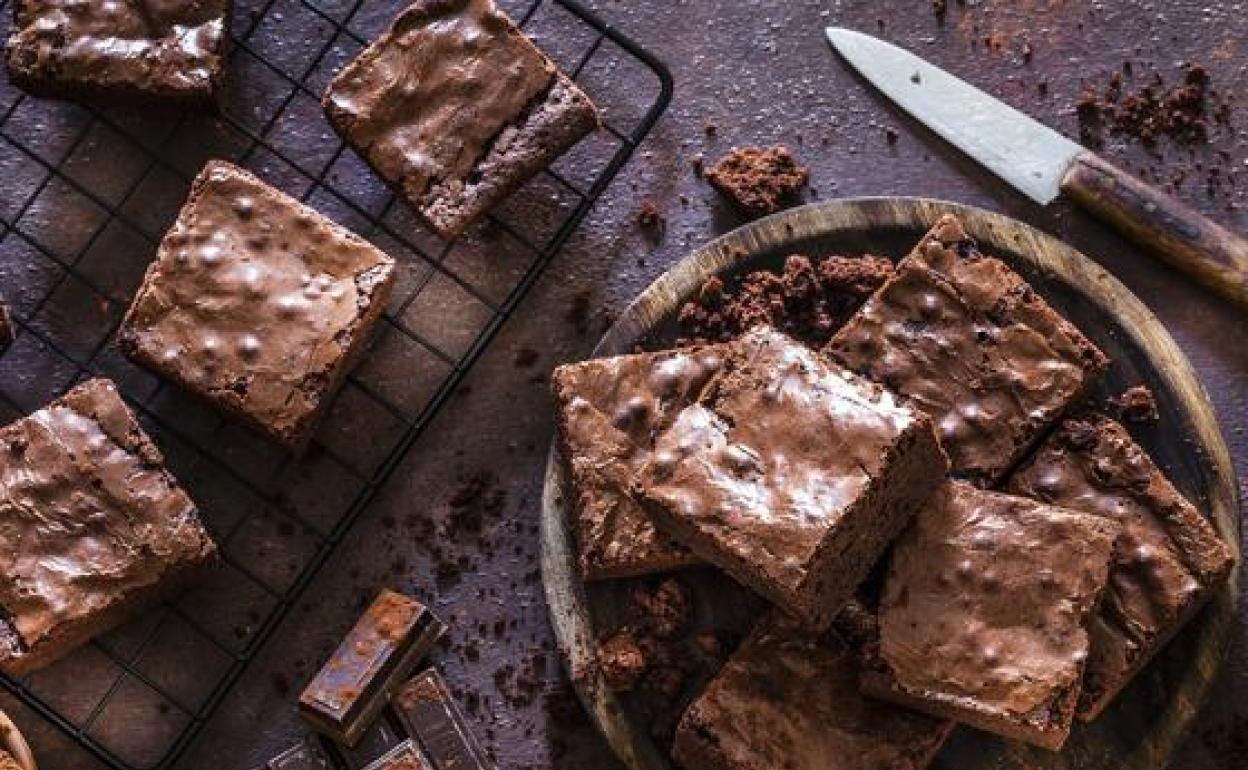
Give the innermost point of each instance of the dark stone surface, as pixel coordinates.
(759, 72)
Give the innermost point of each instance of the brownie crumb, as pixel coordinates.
(651, 220)
(759, 181)
(525, 357)
(578, 311)
(1136, 404)
(891, 135)
(1180, 112)
(809, 300)
(941, 9)
(621, 660)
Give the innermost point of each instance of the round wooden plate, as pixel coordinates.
(1145, 723)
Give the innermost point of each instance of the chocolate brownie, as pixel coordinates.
(809, 300)
(973, 345)
(1166, 565)
(456, 108)
(789, 699)
(791, 474)
(609, 410)
(168, 50)
(985, 612)
(92, 527)
(256, 303)
(8, 762)
(758, 181)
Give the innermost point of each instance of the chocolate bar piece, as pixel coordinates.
(427, 710)
(382, 649)
(405, 756)
(304, 755)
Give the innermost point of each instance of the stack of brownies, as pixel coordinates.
(1033, 557)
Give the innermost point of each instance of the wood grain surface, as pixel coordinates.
(1186, 239)
(1146, 722)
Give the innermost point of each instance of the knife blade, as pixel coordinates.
(1042, 164)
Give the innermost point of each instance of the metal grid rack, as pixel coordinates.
(89, 191)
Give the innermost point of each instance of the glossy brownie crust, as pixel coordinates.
(970, 342)
(455, 108)
(609, 411)
(985, 612)
(791, 474)
(789, 699)
(168, 50)
(1166, 565)
(256, 303)
(92, 527)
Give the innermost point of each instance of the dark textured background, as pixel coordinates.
(747, 71)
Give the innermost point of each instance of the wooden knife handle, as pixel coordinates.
(1186, 239)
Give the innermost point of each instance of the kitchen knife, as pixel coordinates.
(1042, 164)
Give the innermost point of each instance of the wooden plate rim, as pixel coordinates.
(565, 592)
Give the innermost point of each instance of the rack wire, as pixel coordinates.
(90, 190)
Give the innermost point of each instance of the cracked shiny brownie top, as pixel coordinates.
(256, 302)
(156, 48)
(985, 612)
(969, 342)
(610, 410)
(455, 107)
(1167, 563)
(90, 522)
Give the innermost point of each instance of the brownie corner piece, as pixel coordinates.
(171, 51)
(791, 474)
(257, 303)
(985, 613)
(1168, 563)
(92, 518)
(970, 342)
(790, 698)
(455, 108)
(607, 410)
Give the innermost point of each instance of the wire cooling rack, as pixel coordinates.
(88, 191)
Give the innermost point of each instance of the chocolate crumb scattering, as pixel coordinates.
(1136, 404)
(809, 300)
(1181, 112)
(651, 220)
(759, 181)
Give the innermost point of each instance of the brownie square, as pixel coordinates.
(985, 612)
(791, 474)
(789, 698)
(609, 411)
(456, 108)
(168, 50)
(92, 527)
(256, 303)
(1166, 564)
(973, 345)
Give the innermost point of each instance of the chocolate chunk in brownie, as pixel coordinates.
(609, 410)
(256, 303)
(789, 699)
(985, 612)
(973, 345)
(791, 474)
(758, 181)
(92, 527)
(1166, 565)
(169, 50)
(456, 108)
(809, 301)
